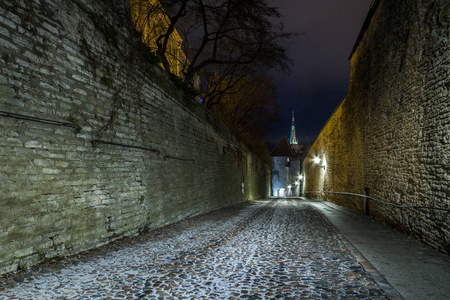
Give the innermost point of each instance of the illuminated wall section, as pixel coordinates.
(390, 138)
(152, 22)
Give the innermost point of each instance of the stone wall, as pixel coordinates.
(390, 136)
(96, 143)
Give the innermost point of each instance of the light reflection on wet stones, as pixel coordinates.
(268, 250)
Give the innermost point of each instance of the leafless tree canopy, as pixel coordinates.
(230, 45)
(249, 106)
(223, 40)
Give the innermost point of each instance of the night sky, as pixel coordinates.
(321, 70)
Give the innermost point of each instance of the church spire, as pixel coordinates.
(293, 140)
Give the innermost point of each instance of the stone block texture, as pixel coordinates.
(159, 157)
(390, 137)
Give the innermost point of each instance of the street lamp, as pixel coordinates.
(317, 161)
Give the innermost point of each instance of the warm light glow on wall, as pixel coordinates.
(151, 21)
(316, 160)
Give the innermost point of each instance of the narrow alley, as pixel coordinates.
(125, 131)
(272, 249)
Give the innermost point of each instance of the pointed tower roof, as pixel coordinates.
(293, 139)
(283, 148)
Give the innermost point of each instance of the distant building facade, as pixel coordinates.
(286, 172)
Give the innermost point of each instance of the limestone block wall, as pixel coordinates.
(390, 136)
(96, 143)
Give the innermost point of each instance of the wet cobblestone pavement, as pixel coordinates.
(280, 249)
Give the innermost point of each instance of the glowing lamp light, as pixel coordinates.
(317, 161)
(300, 177)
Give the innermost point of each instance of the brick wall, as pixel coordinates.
(79, 63)
(390, 137)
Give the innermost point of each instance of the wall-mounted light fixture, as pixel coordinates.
(317, 161)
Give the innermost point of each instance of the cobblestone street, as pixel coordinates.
(279, 249)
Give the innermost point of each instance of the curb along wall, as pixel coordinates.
(95, 142)
(390, 136)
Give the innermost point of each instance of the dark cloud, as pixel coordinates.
(319, 80)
